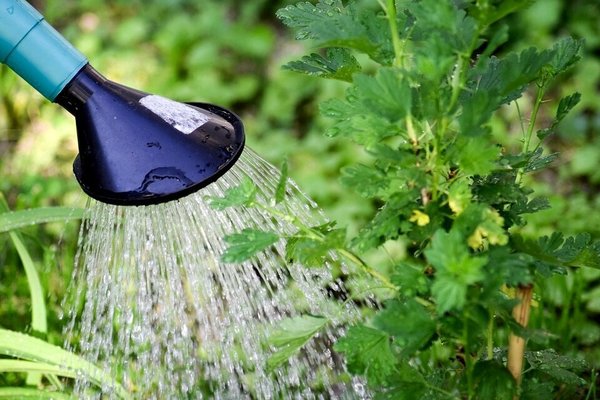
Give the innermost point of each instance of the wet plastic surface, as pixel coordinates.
(136, 152)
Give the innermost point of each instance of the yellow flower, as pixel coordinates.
(419, 217)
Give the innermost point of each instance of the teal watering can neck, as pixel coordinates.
(35, 50)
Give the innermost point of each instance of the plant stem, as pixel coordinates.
(534, 113)
(311, 233)
(397, 43)
(490, 339)
(536, 108)
(374, 273)
(516, 344)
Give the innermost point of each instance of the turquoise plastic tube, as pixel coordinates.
(35, 50)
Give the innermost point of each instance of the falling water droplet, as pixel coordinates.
(160, 309)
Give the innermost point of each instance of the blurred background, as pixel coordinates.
(231, 53)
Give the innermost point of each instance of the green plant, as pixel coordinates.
(29, 354)
(422, 106)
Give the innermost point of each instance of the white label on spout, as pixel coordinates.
(182, 117)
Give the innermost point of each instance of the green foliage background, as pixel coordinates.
(230, 53)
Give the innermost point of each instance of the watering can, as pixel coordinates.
(135, 148)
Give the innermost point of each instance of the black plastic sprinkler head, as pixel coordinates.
(134, 148)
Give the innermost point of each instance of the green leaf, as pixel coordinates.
(386, 94)
(291, 335)
(562, 369)
(7, 365)
(408, 322)
(353, 122)
(282, 185)
(313, 250)
(38, 305)
(574, 251)
(18, 345)
(368, 181)
(566, 104)
(564, 54)
(244, 245)
(337, 63)
(13, 393)
(388, 223)
(36, 292)
(456, 269)
(475, 155)
(477, 109)
(334, 25)
(508, 77)
(242, 195)
(406, 383)
(18, 219)
(532, 206)
(493, 381)
(410, 279)
(368, 353)
(538, 161)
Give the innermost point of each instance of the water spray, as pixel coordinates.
(151, 299)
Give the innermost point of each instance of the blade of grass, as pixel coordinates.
(9, 365)
(34, 394)
(11, 220)
(19, 345)
(38, 306)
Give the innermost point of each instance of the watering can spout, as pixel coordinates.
(134, 148)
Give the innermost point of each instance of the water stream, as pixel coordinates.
(152, 302)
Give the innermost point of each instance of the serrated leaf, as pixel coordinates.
(388, 223)
(304, 17)
(351, 121)
(334, 25)
(337, 63)
(282, 184)
(408, 322)
(475, 155)
(368, 181)
(314, 250)
(456, 269)
(493, 381)
(459, 196)
(563, 369)
(532, 206)
(407, 383)
(564, 54)
(508, 77)
(409, 279)
(513, 269)
(575, 251)
(566, 104)
(477, 110)
(244, 245)
(290, 335)
(538, 161)
(386, 94)
(368, 353)
(242, 195)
